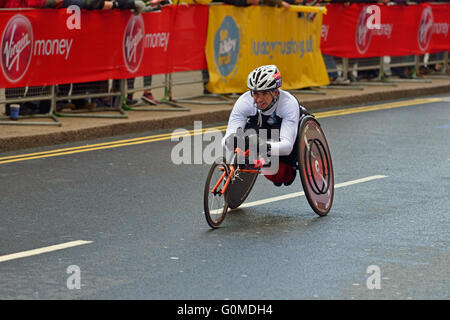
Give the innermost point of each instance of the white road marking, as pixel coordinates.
(34, 252)
(302, 193)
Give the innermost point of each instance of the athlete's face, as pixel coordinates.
(263, 99)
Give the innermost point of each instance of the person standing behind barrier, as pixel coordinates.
(147, 96)
(239, 3)
(194, 1)
(402, 72)
(137, 6)
(27, 3)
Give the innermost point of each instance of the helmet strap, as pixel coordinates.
(274, 99)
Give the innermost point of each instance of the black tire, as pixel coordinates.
(240, 189)
(215, 204)
(315, 166)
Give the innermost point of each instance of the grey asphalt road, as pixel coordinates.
(143, 216)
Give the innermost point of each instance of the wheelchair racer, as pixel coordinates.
(267, 107)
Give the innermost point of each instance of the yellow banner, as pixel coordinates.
(241, 39)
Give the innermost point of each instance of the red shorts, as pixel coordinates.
(285, 173)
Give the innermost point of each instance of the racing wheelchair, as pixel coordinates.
(228, 183)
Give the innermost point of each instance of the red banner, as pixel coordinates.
(46, 47)
(42, 47)
(354, 32)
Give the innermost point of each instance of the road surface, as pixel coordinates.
(122, 221)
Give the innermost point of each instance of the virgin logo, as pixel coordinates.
(133, 44)
(425, 29)
(17, 47)
(363, 34)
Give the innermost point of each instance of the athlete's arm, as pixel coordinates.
(242, 109)
(290, 113)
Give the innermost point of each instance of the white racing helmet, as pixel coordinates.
(264, 78)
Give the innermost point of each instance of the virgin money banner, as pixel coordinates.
(360, 30)
(241, 39)
(49, 46)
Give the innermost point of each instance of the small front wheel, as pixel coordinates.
(215, 201)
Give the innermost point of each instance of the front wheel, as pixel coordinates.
(215, 201)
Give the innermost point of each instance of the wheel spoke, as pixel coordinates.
(215, 204)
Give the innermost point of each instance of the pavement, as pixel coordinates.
(17, 137)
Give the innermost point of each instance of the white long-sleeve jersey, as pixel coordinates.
(287, 108)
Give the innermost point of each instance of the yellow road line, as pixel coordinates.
(167, 136)
(106, 145)
(377, 107)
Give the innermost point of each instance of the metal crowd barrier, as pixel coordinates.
(77, 100)
(190, 80)
(86, 100)
(387, 71)
(38, 103)
(163, 83)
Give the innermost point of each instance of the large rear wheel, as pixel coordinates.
(315, 166)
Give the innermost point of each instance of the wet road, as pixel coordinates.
(145, 237)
